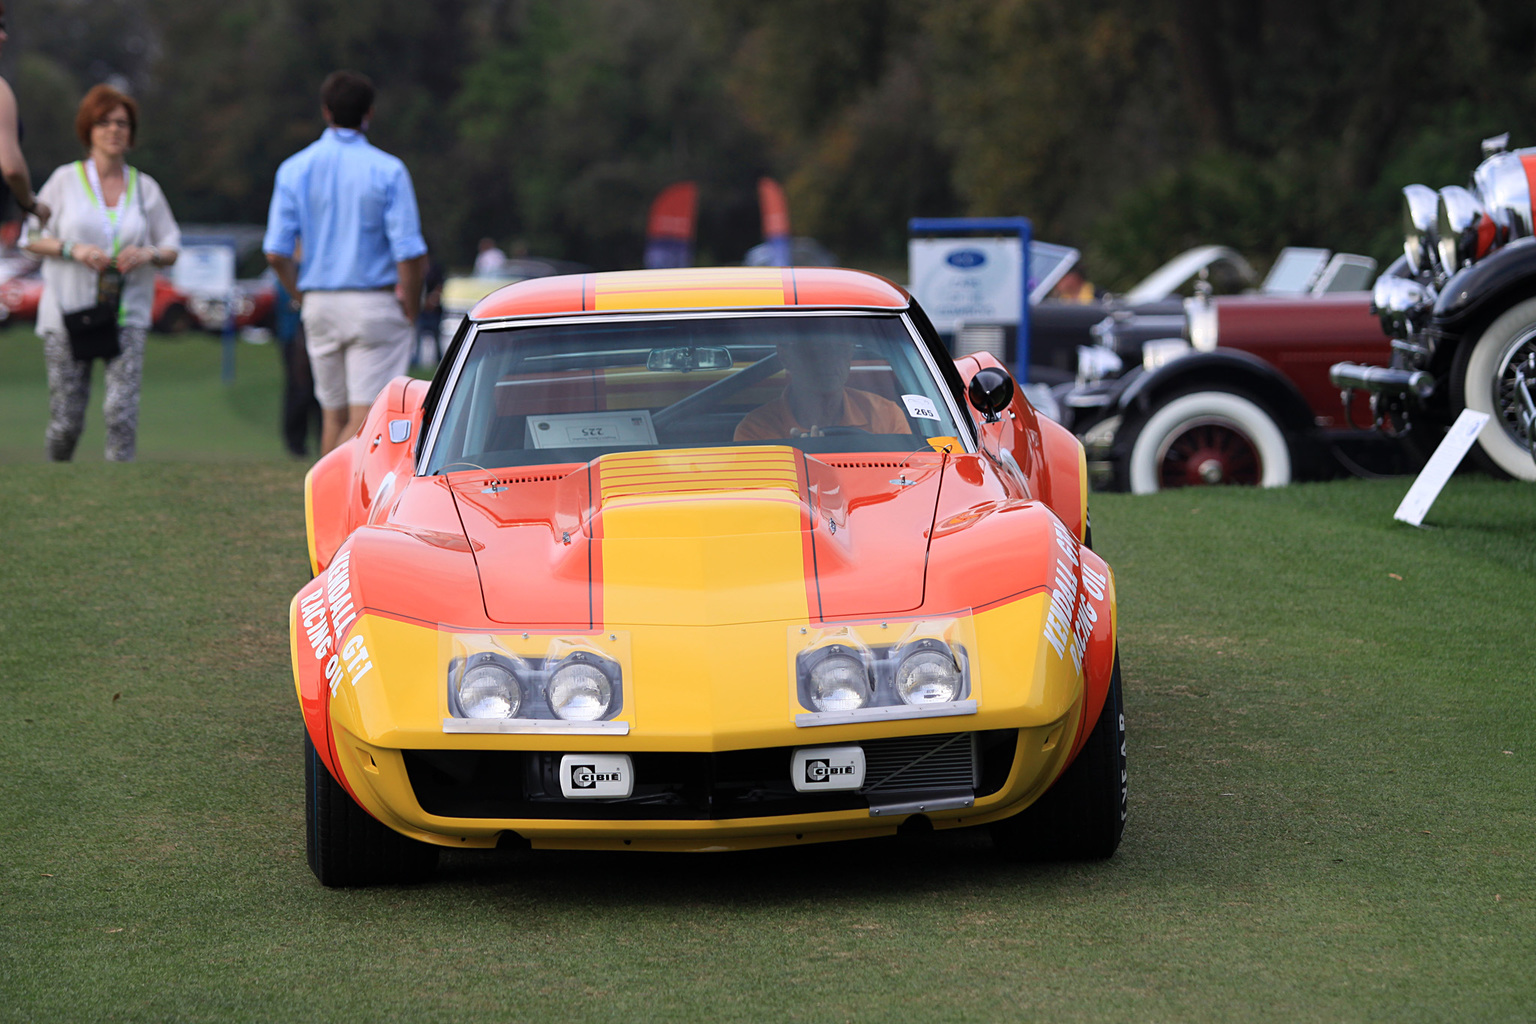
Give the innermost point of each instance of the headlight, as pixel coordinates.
(1396, 300)
(1465, 230)
(579, 691)
(1419, 211)
(839, 681)
(488, 689)
(928, 675)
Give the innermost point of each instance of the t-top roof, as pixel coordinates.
(692, 288)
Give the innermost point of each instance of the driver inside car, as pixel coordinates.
(818, 397)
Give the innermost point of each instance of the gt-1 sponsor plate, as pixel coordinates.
(825, 769)
(596, 776)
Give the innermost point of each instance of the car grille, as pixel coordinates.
(731, 784)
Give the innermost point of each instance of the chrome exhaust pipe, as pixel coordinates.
(1381, 379)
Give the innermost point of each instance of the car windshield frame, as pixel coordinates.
(958, 412)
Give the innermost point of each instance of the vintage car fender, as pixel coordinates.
(1485, 288)
(343, 489)
(1224, 369)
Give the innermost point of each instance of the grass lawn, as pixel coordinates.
(1331, 744)
(185, 412)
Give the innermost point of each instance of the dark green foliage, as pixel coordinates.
(1126, 128)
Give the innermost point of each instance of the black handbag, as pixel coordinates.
(93, 332)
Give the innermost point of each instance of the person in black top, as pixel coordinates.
(13, 166)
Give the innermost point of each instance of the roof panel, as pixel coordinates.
(692, 288)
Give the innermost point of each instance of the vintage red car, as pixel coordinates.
(1234, 391)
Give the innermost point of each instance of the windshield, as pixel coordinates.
(569, 392)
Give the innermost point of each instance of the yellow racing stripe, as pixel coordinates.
(690, 289)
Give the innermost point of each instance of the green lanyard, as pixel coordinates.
(110, 217)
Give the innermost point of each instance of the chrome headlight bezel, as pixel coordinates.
(1420, 210)
(1399, 302)
(1462, 227)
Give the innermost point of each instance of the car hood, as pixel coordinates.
(702, 537)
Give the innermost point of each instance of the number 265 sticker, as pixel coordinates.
(920, 407)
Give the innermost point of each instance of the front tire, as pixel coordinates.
(1203, 438)
(1082, 815)
(346, 845)
(1483, 378)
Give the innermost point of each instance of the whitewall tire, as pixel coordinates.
(1204, 438)
(1483, 379)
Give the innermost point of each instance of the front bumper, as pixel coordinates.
(705, 802)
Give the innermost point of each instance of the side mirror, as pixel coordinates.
(990, 391)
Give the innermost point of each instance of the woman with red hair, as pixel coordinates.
(111, 228)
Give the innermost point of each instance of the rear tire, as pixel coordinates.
(346, 845)
(1203, 438)
(1082, 816)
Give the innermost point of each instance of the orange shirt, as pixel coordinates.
(860, 409)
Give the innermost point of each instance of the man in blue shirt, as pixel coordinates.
(360, 284)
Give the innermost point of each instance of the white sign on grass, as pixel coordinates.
(1453, 448)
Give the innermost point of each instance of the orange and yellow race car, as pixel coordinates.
(703, 560)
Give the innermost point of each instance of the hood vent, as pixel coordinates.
(837, 463)
(540, 479)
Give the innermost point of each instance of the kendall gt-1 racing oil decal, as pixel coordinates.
(1068, 634)
(327, 614)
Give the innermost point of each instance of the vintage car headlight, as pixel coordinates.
(1420, 206)
(1465, 230)
(488, 689)
(1396, 300)
(580, 691)
(1505, 189)
(928, 675)
(839, 681)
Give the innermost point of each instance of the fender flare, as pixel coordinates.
(1224, 369)
(1480, 292)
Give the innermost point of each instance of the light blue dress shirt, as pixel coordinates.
(354, 208)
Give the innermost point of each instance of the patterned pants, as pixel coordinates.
(69, 391)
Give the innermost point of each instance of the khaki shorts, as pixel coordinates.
(358, 341)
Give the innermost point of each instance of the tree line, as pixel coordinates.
(1129, 128)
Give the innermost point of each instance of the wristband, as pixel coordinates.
(154, 255)
(66, 249)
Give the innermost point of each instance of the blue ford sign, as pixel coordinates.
(966, 259)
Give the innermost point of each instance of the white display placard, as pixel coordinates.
(205, 270)
(590, 429)
(960, 279)
(1453, 448)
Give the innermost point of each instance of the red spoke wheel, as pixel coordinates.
(1206, 438)
(1214, 452)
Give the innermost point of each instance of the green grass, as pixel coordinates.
(185, 412)
(1331, 811)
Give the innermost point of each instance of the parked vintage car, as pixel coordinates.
(1460, 304)
(1232, 390)
(1058, 328)
(606, 584)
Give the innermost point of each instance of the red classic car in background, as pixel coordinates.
(1233, 391)
(19, 297)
